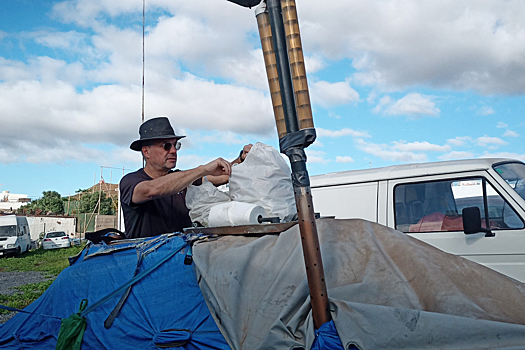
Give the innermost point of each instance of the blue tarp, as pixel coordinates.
(326, 338)
(165, 307)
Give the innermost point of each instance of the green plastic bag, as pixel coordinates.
(72, 330)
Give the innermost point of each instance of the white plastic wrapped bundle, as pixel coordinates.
(234, 214)
(199, 200)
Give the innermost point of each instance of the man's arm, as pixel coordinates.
(175, 182)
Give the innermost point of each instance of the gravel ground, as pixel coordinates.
(8, 280)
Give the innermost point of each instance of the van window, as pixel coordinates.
(514, 175)
(7, 231)
(436, 206)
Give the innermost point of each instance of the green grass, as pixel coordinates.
(49, 262)
(26, 295)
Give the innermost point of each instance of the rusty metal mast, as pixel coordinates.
(284, 60)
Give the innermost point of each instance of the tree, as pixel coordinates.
(89, 201)
(51, 201)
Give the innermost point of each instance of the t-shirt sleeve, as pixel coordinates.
(127, 186)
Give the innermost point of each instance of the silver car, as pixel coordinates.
(57, 239)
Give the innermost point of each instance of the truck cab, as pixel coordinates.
(15, 238)
(472, 208)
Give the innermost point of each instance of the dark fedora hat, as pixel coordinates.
(154, 129)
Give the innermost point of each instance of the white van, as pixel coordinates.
(442, 203)
(14, 235)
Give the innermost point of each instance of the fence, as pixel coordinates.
(93, 222)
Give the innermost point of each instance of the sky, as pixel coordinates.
(391, 82)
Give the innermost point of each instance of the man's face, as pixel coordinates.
(162, 154)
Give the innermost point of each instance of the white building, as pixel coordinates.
(11, 202)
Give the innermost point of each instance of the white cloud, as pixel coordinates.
(344, 159)
(313, 64)
(453, 44)
(339, 133)
(456, 155)
(413, 105)
(419, 146)
(501, 125)
(331, 94)
(111, 114)
(509, 155)
(490, 142)
(92, 95)
(390, 153)
(6, 157)
(510, 133)
(314, 156)
(60, 40)
(371, 97)
(459, 141)
(224, 137)
(402, 151)
(485, 110)
(383, 101)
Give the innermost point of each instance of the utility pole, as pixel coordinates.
(100, 191)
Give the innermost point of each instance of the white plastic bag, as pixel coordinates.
(200, 199)
(264, 178)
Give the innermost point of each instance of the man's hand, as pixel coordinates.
(223, 178)
(245, 150)
(218, 167)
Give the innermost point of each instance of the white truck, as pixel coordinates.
(443, 204)
(15, 238)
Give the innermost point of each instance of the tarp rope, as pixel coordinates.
(8, 308)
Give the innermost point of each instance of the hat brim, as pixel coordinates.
(137, 144)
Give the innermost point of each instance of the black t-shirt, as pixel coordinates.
(154, 217)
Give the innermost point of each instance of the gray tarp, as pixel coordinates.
(387, 291)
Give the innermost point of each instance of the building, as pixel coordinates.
(10, 202)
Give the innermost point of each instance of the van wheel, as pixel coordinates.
(28, 248)
(18, 252)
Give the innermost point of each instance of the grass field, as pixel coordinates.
(49, 262)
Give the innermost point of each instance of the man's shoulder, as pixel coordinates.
(139, 175)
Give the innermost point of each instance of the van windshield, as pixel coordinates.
(7, 231)
(514, 175)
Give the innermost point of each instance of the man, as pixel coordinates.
(153, 198)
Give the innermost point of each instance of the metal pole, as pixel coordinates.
(297, 67)
(100, 191)
(299, 134)
(265, 32)
(283, 64)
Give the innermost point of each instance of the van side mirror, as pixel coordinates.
(472, 222)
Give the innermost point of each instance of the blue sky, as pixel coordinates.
(390, 82)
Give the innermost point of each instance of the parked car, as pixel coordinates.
(57, 239)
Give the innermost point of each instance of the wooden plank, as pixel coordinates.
(242, 229)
